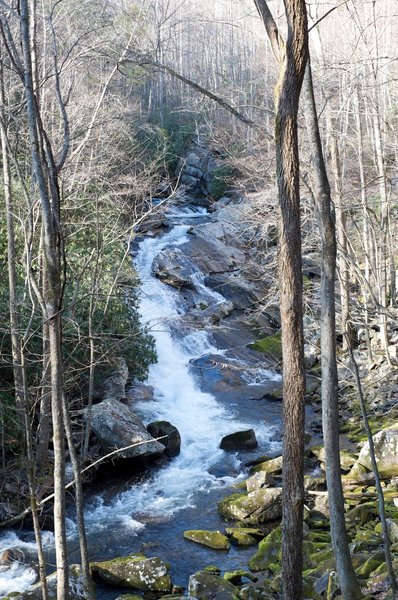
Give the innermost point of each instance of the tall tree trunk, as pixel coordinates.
(341, 229)
(292, 57)
(329, 390)
(52, 298)
(290, 280)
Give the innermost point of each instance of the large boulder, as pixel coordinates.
(386, 450)
(240, 440)
(172, 267)
(116, 427)
(212, 256)
(135, 571)
(204, 585)
(253, 508)
(76, 588)
(171, 435)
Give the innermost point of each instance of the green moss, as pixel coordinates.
(211, 539)
(272, 344)
(273, 465)
(371, 564)
(268, 551)
(241, 538)
(236, 577)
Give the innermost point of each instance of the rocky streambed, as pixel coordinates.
(204, 520)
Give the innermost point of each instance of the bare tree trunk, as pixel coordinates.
(52, 299)
(329, 391)
(342, 254)
(292, 57)
(290, 279)
(368, 242)
(89, 591)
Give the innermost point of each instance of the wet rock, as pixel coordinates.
(240, 440)
(386, 449)
(135, 571)
(207, 586)
(173, 268)
(12, 555)
(116, 426)
(76, 589)
(212, 256)
(234, 288)
(172, 441)
(211, 539)
(254, 508)
(226, 378)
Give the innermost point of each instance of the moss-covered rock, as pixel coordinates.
(386, 450)
(240, 538)
(236, 577)
(363, 512)
(211, 539)
(206, 586)
(272, 344)
(135, 571)
(371, 564)
(258, 480)
(273, 465)
(253, 508)
(267, 553)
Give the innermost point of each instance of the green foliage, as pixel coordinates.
(272, 344)
(178, 129)
(10, 428)
(101, 299)
(220, 181)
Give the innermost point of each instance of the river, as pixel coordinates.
(124, 516)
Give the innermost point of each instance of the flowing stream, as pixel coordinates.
(182, 494)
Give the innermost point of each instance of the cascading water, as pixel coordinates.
(201, 420)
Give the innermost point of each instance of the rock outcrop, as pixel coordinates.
(116, 427)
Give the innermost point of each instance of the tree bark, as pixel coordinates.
(290, 280)
(329, 387)
(293, 57)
